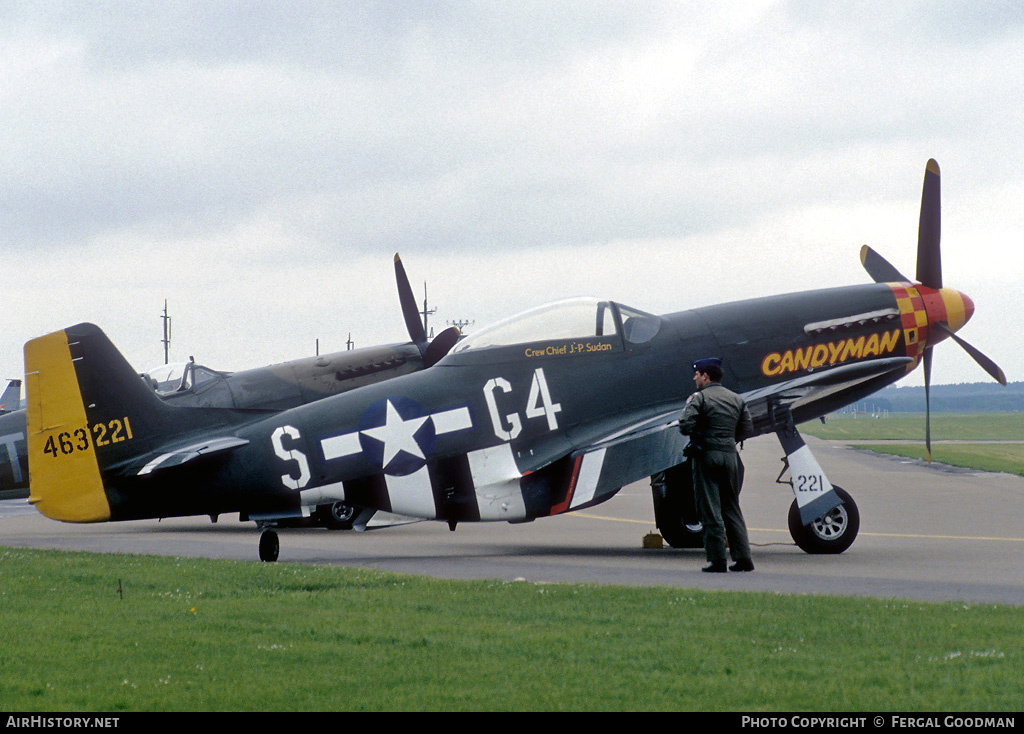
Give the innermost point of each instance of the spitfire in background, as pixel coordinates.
(546, 412)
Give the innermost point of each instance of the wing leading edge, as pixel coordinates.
(813, 395)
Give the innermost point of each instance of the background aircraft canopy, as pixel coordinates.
(179, 376)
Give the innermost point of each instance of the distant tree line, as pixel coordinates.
(973, 397)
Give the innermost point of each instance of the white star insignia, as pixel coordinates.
(398, 434)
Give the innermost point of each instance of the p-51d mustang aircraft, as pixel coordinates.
(550, 411)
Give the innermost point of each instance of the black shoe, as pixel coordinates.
(716, 567)
(744, 565)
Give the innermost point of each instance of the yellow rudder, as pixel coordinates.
(64, 475)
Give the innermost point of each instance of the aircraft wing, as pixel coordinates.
(817, 386)
(639, 429)
(628, 454)
(801, 390)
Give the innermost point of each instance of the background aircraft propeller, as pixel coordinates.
(929, 274)
(431, 351)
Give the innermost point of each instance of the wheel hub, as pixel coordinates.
(342, 512)
(832, 525)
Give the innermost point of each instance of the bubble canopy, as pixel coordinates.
(573, 318)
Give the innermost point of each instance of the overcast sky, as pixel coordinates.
(259, 164)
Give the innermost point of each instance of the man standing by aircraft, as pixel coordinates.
(715, 418)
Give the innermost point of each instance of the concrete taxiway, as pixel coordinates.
(927, 533)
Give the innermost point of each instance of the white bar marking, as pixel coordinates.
(586, 482)
(412, 495)
(339, 446)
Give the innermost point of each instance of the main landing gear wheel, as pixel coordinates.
(270, 546)
(675, 513)
(336, 515)
(833, 533)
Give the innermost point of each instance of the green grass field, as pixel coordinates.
(109, 633)
(994, 457)
(983, 441)
(910, 426)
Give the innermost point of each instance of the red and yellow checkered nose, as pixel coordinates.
(957, 306)
(947, 306)
(920, 307)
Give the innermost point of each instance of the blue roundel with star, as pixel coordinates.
(397, 435)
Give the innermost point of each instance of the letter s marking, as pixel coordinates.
(291, 455)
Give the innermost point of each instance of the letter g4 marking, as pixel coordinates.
(515, 425)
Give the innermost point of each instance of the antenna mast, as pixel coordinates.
(166, 341)
(426, 312)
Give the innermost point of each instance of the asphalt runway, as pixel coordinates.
(927, 533)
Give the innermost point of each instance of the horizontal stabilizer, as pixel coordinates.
(194, 451)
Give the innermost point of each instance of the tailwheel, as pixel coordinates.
(834, 532)
(270, 546)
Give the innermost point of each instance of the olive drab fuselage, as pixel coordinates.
(502, 431)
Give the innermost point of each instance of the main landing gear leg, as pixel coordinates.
(823, 518)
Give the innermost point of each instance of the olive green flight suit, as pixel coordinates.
(715, 418)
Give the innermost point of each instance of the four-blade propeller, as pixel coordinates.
(929, 274)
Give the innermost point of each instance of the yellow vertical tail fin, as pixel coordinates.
(64, 475)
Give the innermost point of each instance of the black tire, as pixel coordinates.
(336, 515)
(270, 546)
(675, 512)
(833, 533)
